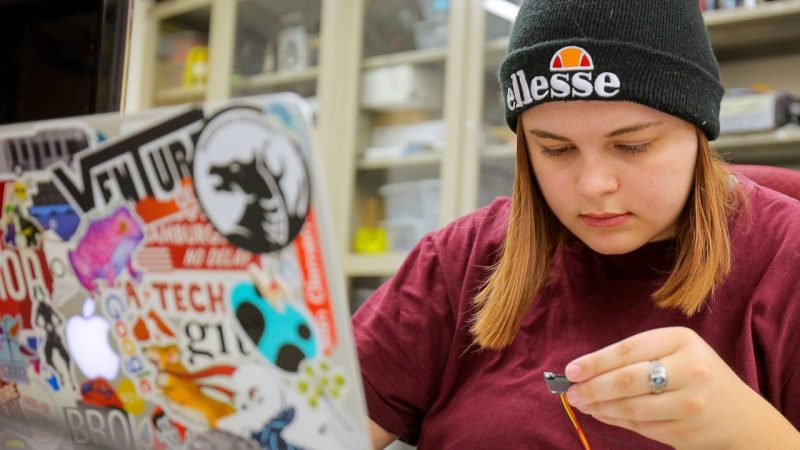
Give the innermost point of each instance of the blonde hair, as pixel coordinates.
(534, 233)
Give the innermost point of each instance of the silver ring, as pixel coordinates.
(657, 377)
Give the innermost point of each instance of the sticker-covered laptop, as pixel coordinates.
(166, 282)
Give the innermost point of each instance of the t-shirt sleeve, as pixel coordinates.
(785, 324)
(403, 334)
(775, 315)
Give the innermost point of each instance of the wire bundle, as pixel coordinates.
(574, 421)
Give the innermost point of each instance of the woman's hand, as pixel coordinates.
(705, 404)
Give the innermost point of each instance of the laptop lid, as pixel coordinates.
(167, 281)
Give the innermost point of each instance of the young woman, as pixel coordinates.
(628, 258)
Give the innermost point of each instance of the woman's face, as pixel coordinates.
(616, 174)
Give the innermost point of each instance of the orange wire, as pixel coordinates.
(574, 421)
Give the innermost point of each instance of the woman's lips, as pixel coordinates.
(605, 220)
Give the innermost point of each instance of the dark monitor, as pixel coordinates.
(61, 58)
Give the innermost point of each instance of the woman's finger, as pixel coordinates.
(629, 381)
(642, 347)
(646, 408)
(650, 429)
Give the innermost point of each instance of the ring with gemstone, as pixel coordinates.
(657, 377)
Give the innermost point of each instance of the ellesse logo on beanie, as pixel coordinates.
(571, 77)
(657, 54)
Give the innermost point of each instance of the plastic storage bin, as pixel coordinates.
(404, 233)
(408, 199)
(431, 33)
(402, 88)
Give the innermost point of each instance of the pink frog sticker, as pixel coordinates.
(106, 248)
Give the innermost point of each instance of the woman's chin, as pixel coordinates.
(617, 243)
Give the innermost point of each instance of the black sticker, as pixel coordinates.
(251, 180)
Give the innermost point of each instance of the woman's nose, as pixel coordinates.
(597, 179)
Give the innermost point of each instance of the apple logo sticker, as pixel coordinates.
(88, 342)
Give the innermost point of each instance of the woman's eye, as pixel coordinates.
(557, 151)
(633, 148)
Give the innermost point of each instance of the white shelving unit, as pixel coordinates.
(273, 80)
(221, 17)
(424, 159)
(772, 27)
(445, 163)
(782, 137)
(423, 56)
(367, 265)
(746, 42)
(164, 10)
(175, 95)
(499, 152)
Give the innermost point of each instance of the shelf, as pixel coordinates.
(423, 56)
(269, 80)
(497, 45)
(374, 265)
(495, 52)
(778, 147)
(499, 151)
(180, 95)
(779, 10)
(174, 8)
(424, 159)
(785, 136)
(771, 28)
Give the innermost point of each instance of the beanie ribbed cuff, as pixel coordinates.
(647, 76)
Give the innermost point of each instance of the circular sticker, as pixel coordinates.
(251, 180)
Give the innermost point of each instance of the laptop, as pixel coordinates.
(167, 282)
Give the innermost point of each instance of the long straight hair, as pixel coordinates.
(534, 233)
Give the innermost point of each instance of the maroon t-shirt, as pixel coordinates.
(426, 384)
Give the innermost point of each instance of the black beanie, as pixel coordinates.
(653, 52)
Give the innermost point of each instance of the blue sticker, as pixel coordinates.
(61, 218)
(270, 436)
(282, 335)
(14, 357)
(53, 382)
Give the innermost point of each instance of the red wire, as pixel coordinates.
(574, 421)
